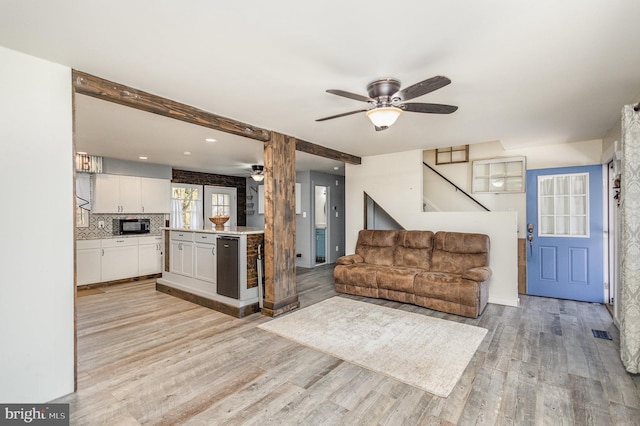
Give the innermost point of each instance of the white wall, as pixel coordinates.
(36, 286)
(395, 182)
(443, 196)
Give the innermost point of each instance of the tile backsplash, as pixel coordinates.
(94, 232)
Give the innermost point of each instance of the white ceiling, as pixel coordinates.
(111, 130)
(523, 73)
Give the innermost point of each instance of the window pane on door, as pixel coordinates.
(220, 204)
(563, 205)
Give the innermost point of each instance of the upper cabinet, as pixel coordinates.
(130, 194)
(155, 195)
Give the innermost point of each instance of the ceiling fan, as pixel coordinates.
(257, 172)
(389, 101)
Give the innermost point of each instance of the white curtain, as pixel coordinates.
(176, 213)
(630, 242)
(196, 214)
(83, 190)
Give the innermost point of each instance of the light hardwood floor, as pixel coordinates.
(149, 358)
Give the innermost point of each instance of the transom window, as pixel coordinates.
(563, 205)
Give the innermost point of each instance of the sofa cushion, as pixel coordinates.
(396, 278)
(376, 247)
(456, 252)
(349, 259)
(357, 274)
(448, 287)
(414, 249)
(477, 274)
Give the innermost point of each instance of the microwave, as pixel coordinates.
(131, 226)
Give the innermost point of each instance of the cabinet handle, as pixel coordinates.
(213, 253)
(103, 252)
(142, 209)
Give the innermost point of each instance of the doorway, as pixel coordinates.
(565, 233)
(221, 201)
(321, 224)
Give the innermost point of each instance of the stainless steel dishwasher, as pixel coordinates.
(228, 266)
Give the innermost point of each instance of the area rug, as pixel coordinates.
(425, 352)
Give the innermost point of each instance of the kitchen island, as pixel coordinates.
(213, 268)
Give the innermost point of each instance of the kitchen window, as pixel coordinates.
(186, 206)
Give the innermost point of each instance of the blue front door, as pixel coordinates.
(565, 233)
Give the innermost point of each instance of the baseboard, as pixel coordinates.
(238, 312)
(116, 282)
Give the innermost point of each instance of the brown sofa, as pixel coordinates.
(445, 271)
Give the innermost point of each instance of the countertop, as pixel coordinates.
(231, 230)
(111, 236)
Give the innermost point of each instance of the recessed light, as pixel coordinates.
(336, 168)
(210, 140)
(81, 153)
(187, 153)
(142, 157)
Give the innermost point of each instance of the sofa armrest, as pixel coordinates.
(349, 259)
(480, 274)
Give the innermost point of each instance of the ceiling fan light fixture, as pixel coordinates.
(257, 173)
(384, 116)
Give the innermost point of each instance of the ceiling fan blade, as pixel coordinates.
(341, 115)
(350, 95)
(428, 108)
(424, 87)
(379, 129)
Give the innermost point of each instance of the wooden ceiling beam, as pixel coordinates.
(100, 88)
(90, 85)
(322, 151)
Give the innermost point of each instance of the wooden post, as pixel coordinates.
(281, 294)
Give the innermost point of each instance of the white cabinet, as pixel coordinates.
(155, 195)
(205, 257)
(130, 194)
(182, 253)
(116, 194)
(119, 258)
(150, 250)
(88, 261)
(106, 193)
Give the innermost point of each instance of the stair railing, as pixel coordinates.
(457, 187)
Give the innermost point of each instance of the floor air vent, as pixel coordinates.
(601, 334)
